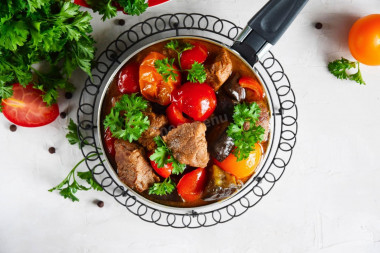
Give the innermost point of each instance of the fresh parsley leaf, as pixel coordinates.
(197, 73)
(339, 69)
(87, 176)
(73, 136)
(6, 91)
(104, 7)
(133, 7)
(163, 155)
(245, 140)
(179, 49)
(165, 68)
(164, 188)
(126, 120)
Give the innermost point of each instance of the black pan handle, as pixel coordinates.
(266, 28)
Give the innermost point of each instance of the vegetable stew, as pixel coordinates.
(185, 123)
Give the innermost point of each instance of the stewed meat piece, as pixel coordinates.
(132, 167)
(157, 122)
(264, 118)
(188, 144)
(219, 70)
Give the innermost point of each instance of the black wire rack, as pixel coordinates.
(283, 133)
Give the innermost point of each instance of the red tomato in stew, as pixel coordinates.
(197, 100)
(165, 171)
(129, 79)
(198, 54)
(26, 107)
(110, 142)
(175, 116)
(192, 184)
(364, 40)
(152, 85)
(253, 88)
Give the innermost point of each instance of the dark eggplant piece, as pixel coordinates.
(221, 184)
(232, 88)
(220, 144)
(225, 105)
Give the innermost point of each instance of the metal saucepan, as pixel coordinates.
(262, 32)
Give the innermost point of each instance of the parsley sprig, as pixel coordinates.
(49, 31)
(108, 10)
(245, 139)
(70, 186)
(126, 120)
(163, 188)
(165, 68)
(163, 155)
(340, 67)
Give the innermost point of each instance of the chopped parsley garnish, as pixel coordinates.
(126, 120)
(197, 73)
(163, 188)
(245, 139)
(339, 69)
(163, 155)
(165, 68)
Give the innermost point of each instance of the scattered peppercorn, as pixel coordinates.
(13, 128)
(100, 203)
(318, 25)
(68, 95)
(52, 150)
(63, 115)
(120, 22)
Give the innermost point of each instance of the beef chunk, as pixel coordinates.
(220, 185)
(219, 70)
(156, 123)
(264, 118)
(188, 144)
(132, 167)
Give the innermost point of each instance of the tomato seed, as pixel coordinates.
(52, 150)
(13, 128)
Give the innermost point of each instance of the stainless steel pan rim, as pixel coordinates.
(188, 210)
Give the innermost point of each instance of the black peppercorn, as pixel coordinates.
(63, 115)
(100, 204)
(318, 25)
(13, 128)
(68, 95)
(120, 22)
(52, 150)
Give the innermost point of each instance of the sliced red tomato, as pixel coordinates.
(198, 54)
(156, 2)
(253, 89)
(81, 3)
(152, 85)
(110, 142)
(26, 107)
(129, 79)
(197, 100)
(192, 184)
(165, 171)
(175, 116)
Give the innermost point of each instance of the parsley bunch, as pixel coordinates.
(245, 139)
(165, 67)
(108, 9)
(50, 31)
(339, 69)
(70, 186)
(126, 120)
(163, 188)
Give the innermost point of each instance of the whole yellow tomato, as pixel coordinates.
(364, 40)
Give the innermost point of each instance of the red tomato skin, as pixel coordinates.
(198, 54)
(155, 2)
(197, 100)
(190, 187)
(165, 171)
(110, 142)
(128, 81)
(175, 116)
(27, 109)
(81, 3)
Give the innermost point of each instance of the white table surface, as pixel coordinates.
(327, 201)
